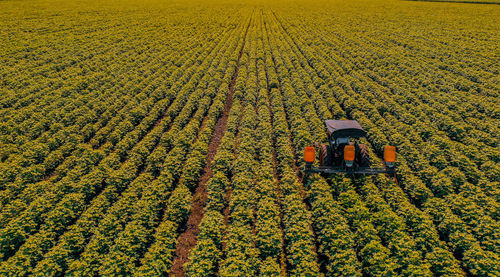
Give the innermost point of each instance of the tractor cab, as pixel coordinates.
(344, 154)
(340, 133)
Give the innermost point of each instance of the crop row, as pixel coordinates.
(166, 148)
(106, 126)
(346, 100)
(369, 227)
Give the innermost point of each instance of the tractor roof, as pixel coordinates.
(344, 129)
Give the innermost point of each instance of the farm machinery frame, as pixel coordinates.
(343, 156)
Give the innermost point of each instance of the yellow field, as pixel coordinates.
(155, 138)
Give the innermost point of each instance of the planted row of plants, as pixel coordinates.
(74, 118)
(87, 162)
(327, 229)
(159, 256)
(365, 104)
(291, 131)
(108, 137)
(191, 113)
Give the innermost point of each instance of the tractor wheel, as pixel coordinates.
(364, 156)
(325, 156)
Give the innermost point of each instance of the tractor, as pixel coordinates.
(343, 154)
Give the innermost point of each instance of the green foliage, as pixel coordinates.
(333, 232)
(376, 260)
(106, 127)
(202, 259)
(269, 236)
(159, 257)
(269, 268)
(216, 191)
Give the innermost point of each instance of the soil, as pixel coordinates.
(187, 239)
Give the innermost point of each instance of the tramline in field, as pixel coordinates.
(177, 138)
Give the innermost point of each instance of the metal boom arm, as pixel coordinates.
(359, 170)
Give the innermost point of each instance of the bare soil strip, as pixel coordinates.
(187, 240)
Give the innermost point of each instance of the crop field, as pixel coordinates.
(156, 138)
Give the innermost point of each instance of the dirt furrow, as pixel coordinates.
(187, 239)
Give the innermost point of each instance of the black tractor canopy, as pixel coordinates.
(344, 129)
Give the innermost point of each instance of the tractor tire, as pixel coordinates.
(325, 156)
(364, 156)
